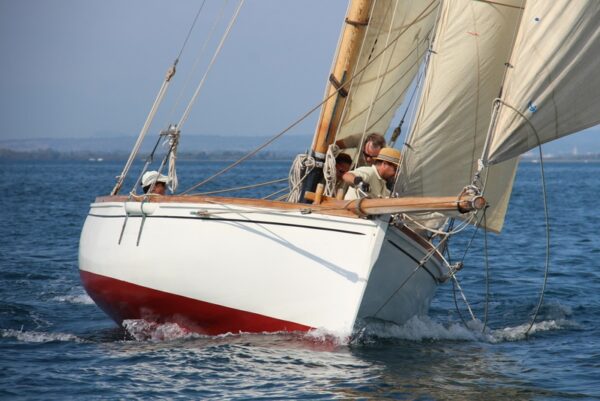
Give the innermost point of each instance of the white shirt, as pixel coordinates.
(377, 184)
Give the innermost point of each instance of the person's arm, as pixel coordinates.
(349, 178)
(356, 181)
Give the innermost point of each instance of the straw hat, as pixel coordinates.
(389, 155)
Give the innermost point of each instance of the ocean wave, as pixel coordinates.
(519, 333)
(37, 336)
(423, 328)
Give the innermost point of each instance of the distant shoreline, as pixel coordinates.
(54, 155)
(225, 155)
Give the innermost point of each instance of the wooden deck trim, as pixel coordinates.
(330, 206)
(334, 210)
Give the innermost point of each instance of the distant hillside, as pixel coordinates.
(191, 144)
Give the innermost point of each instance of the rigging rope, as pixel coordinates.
(300, 169)
(427, 256)
(190, 31)
(547, 264)
(198, 58)
(188, 109)
(487, 273)
(483, 163)
(157, 101)
(379, 73)
(284, 196)
(260, 184)
(159, 97)
(330, 170)
(398, 129)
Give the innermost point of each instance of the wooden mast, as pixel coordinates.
(343, 70)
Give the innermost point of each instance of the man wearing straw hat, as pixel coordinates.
(371, 180)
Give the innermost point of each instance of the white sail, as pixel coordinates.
(553, 86)
(473, 41)
(398, 30)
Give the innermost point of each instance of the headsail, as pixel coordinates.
(399, 32)
(473, 41)
(552, 88)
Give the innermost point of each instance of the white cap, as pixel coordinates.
(150, 176)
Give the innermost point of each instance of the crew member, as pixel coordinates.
(160, 183)
(371, 181)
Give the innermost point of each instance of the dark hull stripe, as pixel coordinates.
(234, 221)
(415, 260)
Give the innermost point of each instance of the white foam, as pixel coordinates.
(518, 333)
(327, 336)
(418, 328)
(38, 337)
(142, 330)
(81, 299)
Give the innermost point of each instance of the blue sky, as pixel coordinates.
(87, 68)
(72, 68)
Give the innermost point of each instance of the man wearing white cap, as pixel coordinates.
(372, 180)
(153, 177)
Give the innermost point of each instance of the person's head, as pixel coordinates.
(387, 162)
(343, 162)
(373, 143)
(160, 187)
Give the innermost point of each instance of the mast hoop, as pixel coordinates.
(357, 23)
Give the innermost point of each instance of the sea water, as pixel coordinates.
(56, 344)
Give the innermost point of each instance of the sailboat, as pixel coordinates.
(494, 80)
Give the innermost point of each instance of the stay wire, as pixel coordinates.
(454, 280)
(448, 256)
(190, 31)
(422, 263)
(199, 58)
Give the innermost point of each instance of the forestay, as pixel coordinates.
(398, 30)
(553, 86)
(472, 44)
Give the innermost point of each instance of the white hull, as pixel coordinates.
(240, 268)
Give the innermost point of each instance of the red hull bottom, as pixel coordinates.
(122, 300)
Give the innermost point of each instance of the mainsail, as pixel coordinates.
(396, 39)
(552, 87)
(473, 42)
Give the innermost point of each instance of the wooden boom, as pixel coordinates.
(368, 206)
